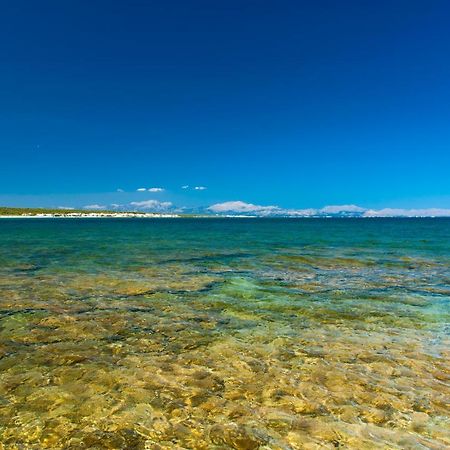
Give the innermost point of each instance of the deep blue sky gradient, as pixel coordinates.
(294, 103)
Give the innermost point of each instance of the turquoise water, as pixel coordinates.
(224, 333)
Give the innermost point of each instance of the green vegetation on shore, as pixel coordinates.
(26, 212)
(11, 211)
(65, 212)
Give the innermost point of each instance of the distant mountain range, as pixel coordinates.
(226, 209)
(250, 209)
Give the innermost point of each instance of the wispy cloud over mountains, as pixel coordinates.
(151, 205)
(398, 212)
(241, 208)
(335, 209)
(271, 210)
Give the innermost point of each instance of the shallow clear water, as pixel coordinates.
(220, 333)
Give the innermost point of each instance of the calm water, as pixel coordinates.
(219, 334)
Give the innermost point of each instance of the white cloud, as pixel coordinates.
(65, 207)
(260, 210)
(186, 186)
(200, 188)
(400, 212)
(156, 189)
(153, 205)
(120, 190)
(242, 207)
(95, 206)
(334, 209)
(141, 190)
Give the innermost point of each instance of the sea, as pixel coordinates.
(224, 333)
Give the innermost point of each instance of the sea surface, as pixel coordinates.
(224, 334)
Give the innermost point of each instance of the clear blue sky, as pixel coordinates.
(294, 103)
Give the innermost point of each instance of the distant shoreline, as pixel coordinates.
(188, 216)
(118, 215)
(52, 213)
(90, 216)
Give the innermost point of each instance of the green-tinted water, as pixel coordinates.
(216, 334)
